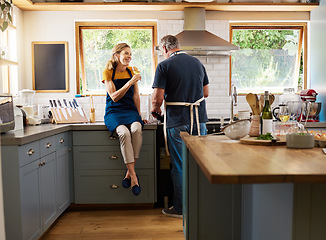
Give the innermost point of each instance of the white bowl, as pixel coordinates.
(237, 129)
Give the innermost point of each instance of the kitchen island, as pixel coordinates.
(238, 191)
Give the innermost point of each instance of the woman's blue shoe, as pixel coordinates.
(136, 189)
(126, 182)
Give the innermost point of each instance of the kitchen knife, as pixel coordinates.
(68, 109)
(72, 106)
(63, 110)
(78, 108)
(58, 112)
(52, 108)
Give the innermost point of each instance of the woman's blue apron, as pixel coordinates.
(124, 111)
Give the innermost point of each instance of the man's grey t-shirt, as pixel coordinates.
(183, 77)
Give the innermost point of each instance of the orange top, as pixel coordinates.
(107, 74)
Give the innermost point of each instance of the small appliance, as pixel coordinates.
(309, 97)
(7, 118)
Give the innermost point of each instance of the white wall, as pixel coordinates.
(59, 26)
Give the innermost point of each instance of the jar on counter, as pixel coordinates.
(288, 95)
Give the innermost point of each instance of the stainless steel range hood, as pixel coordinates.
(196, 41)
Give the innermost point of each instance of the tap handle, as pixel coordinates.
(234, 95)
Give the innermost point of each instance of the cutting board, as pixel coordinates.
(254, 141)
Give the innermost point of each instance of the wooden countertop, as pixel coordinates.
(228, 161)
(34, 133)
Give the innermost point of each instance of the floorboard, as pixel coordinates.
(140, 224)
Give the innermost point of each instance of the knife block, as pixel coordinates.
(75, 117)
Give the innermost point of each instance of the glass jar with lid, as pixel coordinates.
(288, 95)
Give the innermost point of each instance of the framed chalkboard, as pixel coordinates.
(50, 66)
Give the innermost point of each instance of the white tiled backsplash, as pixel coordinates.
(218, 102)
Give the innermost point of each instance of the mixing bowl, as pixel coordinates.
(237, 129)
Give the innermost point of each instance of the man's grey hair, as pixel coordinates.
(170, 42)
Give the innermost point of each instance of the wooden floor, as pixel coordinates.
(144, 224)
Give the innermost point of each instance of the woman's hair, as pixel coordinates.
(113, 62)
(170, 42)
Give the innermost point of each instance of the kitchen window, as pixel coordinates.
(94, 42)
(272, 56)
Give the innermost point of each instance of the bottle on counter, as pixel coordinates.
(266, 116)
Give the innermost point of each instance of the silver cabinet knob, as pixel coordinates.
(113, 186)
(62, 140)
(30, 152)
(113, 157)
(48, 145)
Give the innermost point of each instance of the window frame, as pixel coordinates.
(303, 43)
(79, 26)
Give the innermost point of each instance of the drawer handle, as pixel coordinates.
(41, 164)
(113, 157)
(113, 186)
(48, 145)
(30, 152)
(62, 140)
(113, 138)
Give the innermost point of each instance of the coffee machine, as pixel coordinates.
(308, 96)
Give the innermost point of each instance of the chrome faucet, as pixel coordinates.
(234, 99)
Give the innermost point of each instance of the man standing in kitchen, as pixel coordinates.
(181, 81)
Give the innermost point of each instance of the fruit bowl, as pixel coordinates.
(237, 129)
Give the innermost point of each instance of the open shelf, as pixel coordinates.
(4, 62)
(27, 5)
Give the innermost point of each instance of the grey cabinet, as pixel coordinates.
(36, 185)
(31, 227)
(99, 169)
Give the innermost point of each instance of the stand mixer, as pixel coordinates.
(309, 95)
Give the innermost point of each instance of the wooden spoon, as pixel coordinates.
(257, 109)
(252, 101)
(261, 102)
(271, 99)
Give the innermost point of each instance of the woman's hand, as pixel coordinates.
(135, 79)
(145, 121)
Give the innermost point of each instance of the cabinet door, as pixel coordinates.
(62, 178)
(30, 201)
(48, 189)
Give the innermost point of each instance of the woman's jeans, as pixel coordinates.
(175, 149)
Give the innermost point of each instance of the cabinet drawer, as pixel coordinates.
(104, 186)
(109, 157)
(103, 138)
(61, 140)
(47, 145)
(29, 153)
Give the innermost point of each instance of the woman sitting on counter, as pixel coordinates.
(122, 112)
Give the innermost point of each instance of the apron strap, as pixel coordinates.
(187, 104)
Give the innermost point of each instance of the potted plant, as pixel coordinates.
(6, 7)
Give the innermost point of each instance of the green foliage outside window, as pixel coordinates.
(266, 60)
(97, 50)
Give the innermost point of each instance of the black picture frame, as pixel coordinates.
(50, 66)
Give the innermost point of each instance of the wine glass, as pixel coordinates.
(284, 114)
